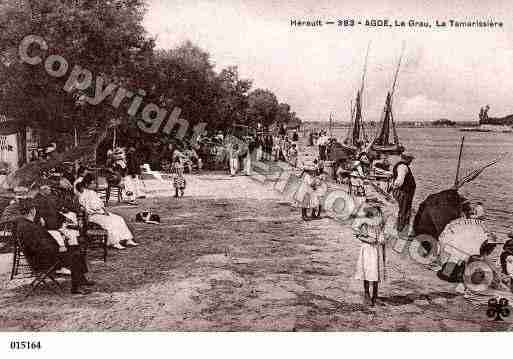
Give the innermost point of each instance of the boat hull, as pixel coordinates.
(389, 150)
(338, 152)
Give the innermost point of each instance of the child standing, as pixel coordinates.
(292, 155)
(315, 198)
(178, 180)
(370, 266)
(233, 155)
(303, 195)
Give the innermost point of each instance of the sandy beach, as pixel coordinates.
(235, 256)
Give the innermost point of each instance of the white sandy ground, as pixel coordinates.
(231, 255)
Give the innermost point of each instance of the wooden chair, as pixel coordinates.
(110, 189)
(104, 189)
(97, 238)
(22, 268)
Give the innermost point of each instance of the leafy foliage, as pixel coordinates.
(108, 39)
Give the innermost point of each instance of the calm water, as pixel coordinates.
(436, 157)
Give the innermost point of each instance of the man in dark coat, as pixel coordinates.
(268, 147)
(47, 209)
(403, 190)
(42, 251)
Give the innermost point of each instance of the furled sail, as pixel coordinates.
(387, 140)
(356, 136)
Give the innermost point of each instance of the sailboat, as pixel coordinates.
(356, 138)
(387, 140)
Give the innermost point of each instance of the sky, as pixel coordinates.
(445, 73)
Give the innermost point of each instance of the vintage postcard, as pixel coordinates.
(255, 166)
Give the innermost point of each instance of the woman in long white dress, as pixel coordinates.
(370, 266)
(118, 232)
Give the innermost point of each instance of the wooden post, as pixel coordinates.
(459, 163)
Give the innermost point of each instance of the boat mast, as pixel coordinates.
(396, 138)
(363, 134)
(456, 181)
(358, 131)
(331, 125)
(397, 71)
(364, 69)
(383, 133)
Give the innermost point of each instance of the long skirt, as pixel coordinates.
(370, 265)
(115, 225)
(234, 165)
(259, 153)
(247, 165)
(131, 191)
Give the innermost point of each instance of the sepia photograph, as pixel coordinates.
(255, 166)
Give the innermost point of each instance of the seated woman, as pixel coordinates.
(82, 171)
(118, 232)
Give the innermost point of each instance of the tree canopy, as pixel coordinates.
(108, 39)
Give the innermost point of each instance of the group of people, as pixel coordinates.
(47, 220)
(263, 147)
(126, 168)
(321, 140)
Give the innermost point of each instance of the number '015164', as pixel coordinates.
(25, 345)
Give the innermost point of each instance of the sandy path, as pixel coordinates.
(221, 263)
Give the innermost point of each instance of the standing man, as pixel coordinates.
(403, 189)
(269, 145)
(322, 142)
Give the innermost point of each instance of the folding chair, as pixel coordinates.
(22, 268)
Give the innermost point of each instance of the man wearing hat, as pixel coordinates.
(403, 189)
(42, 251)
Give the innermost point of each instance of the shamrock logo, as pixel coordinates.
(498, 309)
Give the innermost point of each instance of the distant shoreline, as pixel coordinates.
(397, 124)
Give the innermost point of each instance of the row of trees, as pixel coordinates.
(107, 38)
